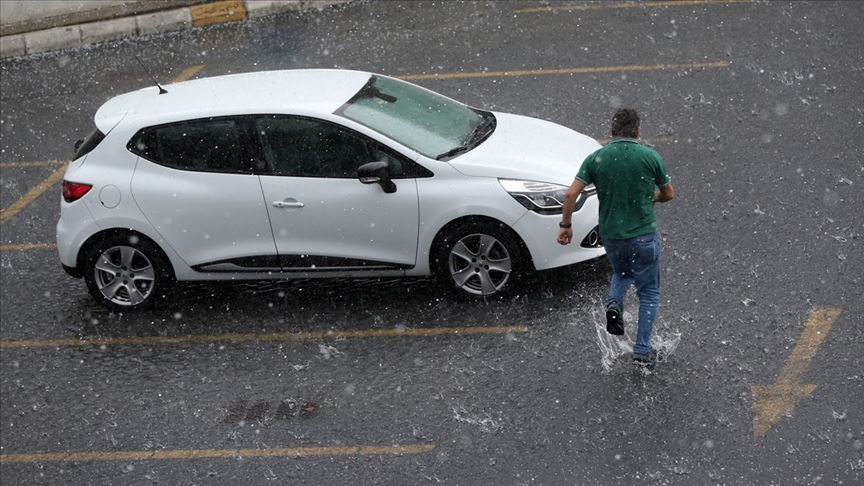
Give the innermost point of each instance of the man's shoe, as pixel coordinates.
(614, 324)
(646, 361)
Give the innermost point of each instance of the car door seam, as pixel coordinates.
(269, 216)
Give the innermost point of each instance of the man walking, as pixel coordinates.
(627, 176)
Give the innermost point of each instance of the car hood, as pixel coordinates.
(527, 148)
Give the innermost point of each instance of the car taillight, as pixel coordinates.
(72, 191)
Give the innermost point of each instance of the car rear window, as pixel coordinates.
(210, 145)
(88, 144)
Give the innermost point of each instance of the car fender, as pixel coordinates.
(450, 196)
(129, 224)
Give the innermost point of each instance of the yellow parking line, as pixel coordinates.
(27, 246)
(619, 5)
(362, 450)
(234, 338)
(578, 70)
(37, 163)
(773, 402)
(189, 72)
(17, 206)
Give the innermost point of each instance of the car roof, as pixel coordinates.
(286, 91)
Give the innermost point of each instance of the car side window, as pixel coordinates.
(85, 146)
(210, 145)
(289, 144)
(304, 147)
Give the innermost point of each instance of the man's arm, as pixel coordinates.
(565, 235)
(664, 193)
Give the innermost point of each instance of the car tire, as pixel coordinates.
(126, 272)
(479, 259)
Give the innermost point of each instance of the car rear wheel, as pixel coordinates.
(479, 259)
(126, 273)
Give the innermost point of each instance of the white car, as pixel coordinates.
(315, 173)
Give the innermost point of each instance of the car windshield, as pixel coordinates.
(424, 121)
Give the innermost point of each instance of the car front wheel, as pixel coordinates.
(125, 273)
(479, 259)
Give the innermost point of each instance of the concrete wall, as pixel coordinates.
(89, 21)
(14, 11)
(17, 16)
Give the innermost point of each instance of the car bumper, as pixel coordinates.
(539, 232)
(74, 227)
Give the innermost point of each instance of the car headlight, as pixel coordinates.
(542, 197)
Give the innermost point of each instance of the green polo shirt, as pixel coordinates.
(625, 173)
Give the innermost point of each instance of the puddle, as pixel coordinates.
(665, 339)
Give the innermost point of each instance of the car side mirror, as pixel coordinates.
(377, 173)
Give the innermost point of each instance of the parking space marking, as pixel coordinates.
(362, 450)
(235, 338)
(771, 403)
(576, 70)
(27, 246)
(37, 163)
(620, 5)
(189, 72)
(26, 199)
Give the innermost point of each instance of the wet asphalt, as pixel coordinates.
(766, 157)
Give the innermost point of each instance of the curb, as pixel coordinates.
(217, 12)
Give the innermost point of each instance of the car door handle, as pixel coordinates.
(288, 203)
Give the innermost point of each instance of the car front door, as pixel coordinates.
(194, 182)
(323, 217)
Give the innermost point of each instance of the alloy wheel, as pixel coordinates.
(124, 275)
(480, 264)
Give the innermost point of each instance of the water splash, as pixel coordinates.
(665, 339)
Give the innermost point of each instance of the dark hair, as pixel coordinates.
(625, 123)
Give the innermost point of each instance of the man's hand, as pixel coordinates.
(663, 194)
(565, 236)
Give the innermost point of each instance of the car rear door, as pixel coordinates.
(194, 182)
(323, 217)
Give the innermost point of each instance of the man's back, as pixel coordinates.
(625, 174)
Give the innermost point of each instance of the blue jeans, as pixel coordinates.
(636, 261)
